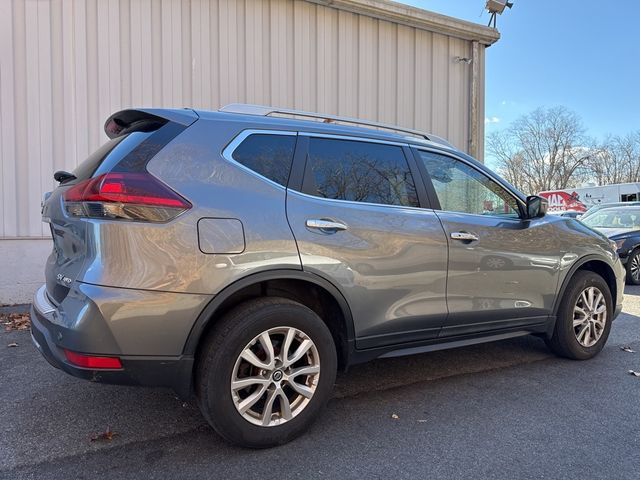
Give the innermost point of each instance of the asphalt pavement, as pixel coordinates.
(503, 410)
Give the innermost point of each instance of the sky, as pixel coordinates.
(584, 55)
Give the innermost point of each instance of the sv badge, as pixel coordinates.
(63, 279)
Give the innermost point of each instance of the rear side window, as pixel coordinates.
(360, 172)
(269, 155)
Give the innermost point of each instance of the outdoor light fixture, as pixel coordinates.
(496, 7)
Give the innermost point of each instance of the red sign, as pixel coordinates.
(563, 201)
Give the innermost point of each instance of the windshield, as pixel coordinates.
(624, 217)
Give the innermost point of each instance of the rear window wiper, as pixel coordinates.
(61, 176)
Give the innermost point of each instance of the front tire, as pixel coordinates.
(584, 318)
(265, 372)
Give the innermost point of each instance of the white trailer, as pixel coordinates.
(581, 199)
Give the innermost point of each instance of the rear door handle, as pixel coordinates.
(326, 226)
(465, 236)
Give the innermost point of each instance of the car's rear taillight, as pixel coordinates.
(126, 196)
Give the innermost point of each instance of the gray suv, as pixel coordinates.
(244, 255)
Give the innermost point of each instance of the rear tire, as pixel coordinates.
(633, 268)
(584, 318)
(256, 344)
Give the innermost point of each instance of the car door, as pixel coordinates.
(357, 219)
(503, 270)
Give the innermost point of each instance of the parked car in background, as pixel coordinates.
(568, 214)
(600, 206)
(572, 215)
(621, 225)
(245, 257)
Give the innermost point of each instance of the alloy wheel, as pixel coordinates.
(589, 316)
(275, 376)
(635, 268)
(496, 263)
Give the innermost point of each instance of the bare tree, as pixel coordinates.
(605, 165)
(616, 160)
(632, 150)
(543, 150)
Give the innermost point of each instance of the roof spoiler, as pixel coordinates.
(146, 120)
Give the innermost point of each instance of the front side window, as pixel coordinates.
(359, 172)
(461, 188)
(270, 155)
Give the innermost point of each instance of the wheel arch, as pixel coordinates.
(594, 264)
(635, 246)
(635, 249)
(310, 289)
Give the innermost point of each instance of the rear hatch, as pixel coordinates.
(112, 184)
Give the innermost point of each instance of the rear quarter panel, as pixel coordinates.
(167, 256)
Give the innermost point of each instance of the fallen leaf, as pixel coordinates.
(105, 436)
(12, 344)
(15, 321)
(394, 416)
(627, 349)
(634, 373)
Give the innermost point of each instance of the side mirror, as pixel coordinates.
(536, 206)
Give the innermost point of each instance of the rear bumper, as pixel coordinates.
(52, 331)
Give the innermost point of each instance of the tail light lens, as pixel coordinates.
(124, 196)
(92, 361)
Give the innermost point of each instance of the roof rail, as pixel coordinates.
(249, 109)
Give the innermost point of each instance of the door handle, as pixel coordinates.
(465, 236)
(326, 226)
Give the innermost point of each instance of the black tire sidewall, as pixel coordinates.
(565, 333)
(218, 403)
(630, 278)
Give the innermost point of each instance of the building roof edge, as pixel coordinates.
(416, 17)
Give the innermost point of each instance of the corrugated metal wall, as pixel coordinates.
(66, 65)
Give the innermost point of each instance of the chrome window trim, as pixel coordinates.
(491, 176)
(352, 138)
(353, 202)
(453, 212)
(227, 152)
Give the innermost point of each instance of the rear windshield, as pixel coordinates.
(87, 168)
(109, 154)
